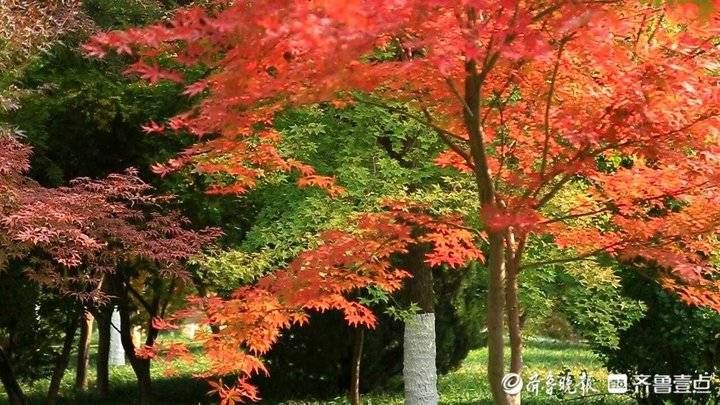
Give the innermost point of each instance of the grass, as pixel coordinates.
(466, 385)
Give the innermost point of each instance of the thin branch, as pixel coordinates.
(551, 93)
(487, 67)
(639, 33)
(553, 191)
(457, 94)
(655, 29)
(448, 137)
(575, 216)
(585, 152)
(138, 297)
(584, 256)
(551, 9)
(449, 142)
(503, 145)
(530, 192)
(472, 230)
(412, 116)
(171, 290)
(505, 86)
(608, 206)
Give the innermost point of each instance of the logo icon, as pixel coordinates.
(617, 383)
(512, 383)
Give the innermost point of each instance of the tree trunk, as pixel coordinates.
(9, 381)
(202, 292)
(103, 315)
(359, 337)
(513, 314)
(419, 369)
(117, 352)
(102, 383)
(141, 367)
(513, 254)
(83, 354)
(495, 315)
(486, 193)
(63, 359)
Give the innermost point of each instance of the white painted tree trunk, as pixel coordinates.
(117, 353)
(419, 370)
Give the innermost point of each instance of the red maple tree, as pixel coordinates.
(92, 239)
(91, 224)
(531, 98)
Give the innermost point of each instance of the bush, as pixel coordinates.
(315, 360)
(671, 338)
(31, 327)
(576, 301)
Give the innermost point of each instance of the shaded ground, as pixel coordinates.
(467, 385)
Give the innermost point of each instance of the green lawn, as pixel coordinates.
(467, 385)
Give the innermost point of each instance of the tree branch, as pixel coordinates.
(457, 94)
(138, 297)
(551, 92)
(450, 143)
(574, 216)
(584, 256)
(448, 137)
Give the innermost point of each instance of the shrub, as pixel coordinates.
(315, 360)
(671, 338)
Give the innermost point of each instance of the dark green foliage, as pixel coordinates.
(84, 118)
(114, 14)
(31, 324)
(671, 338)
(460, 314)
(577, 300)
(315, 360)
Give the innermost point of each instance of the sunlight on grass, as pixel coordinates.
(466, 385)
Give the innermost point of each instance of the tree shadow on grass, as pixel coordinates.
(169, 390)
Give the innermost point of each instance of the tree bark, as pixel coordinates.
(103, 315)
(83, 354)
(472, 99)
(141, 367)
(359, 338)
(513, 314)
(419, 368)
(63, 359)
(495, 315)
(9, 381)
(102, 383)
(513, 253)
